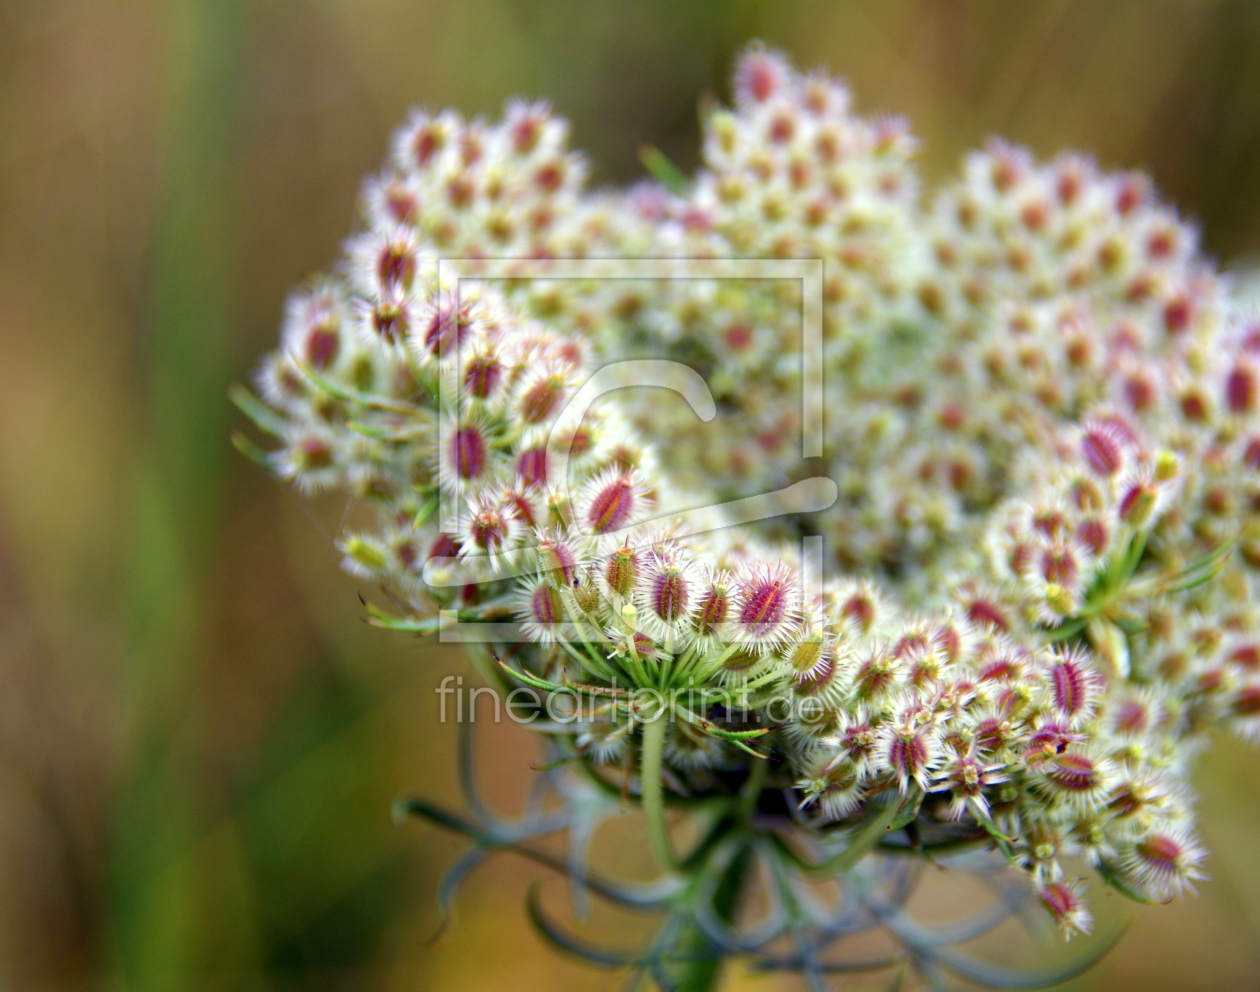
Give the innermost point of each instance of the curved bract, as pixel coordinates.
(1041, 481)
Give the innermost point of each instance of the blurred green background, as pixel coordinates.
(199, 741)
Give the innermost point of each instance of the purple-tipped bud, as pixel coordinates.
(444, 547)
(1063, 901)
(395, 267)
(765, 603)
(390, 319)
(1074, 685)
(531, 466)
(468, 452)
(622, 570)
(447, 328)
(822, 680)
(545, 604)
(669, 591)
(1164, 864)
(612, 502)
(713, 608)
(876, 678)
(1138, 502)
(482, 376)
(489, 530)
(1073, 774)
(911, 752)
(1103, 449)
(557, 557)
(542, 398)
(1241, 389)
(760, 76)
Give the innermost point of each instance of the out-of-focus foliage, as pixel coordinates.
(198, 742)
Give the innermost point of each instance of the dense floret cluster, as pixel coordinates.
(1042, 415)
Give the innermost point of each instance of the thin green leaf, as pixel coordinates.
(752, 751)
(420, 625)
(353, 396)
(262, 416)
(663, 170)
(251, 451)
(1000, 839)
(908, 810)
(1115, 880)
(529, 680)
(1067, 630)
(709, 727)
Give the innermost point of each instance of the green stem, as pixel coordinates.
(703, 973)
(654, 792)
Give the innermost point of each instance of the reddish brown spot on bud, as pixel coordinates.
(670, 594)
(322, 345)
(612, 506)
(782, 128)
(1177, 314)
(1246, 656)
(550, 176)
(428, 142)
(444, 547)
(1034, 215)
(1240, 390)
(711, 612)
(1132, 717)
(482, 376)
(1247, 702)
(468, 452)
(447, 329)
(531, 466)
(1140, 392)
(1102, 451)
(1071, 685)
(1161, 243)
(738, 337)
(1131, 194)
(1093, 535)
(1194, 407)
(1073, 772)
(459, 191)
(314, 453)
(389, 320)
(759, 77)
(540, 400)
(396, 265)
(545, 606)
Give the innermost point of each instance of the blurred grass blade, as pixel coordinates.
(261, 415)
(664, 171)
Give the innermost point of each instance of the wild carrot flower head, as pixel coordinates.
(1042, 423)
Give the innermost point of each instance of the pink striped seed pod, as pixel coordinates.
(1164, 864)
(611, 501)
(1063, 901)
(767, 610)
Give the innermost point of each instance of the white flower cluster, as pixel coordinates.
(1042, 413)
